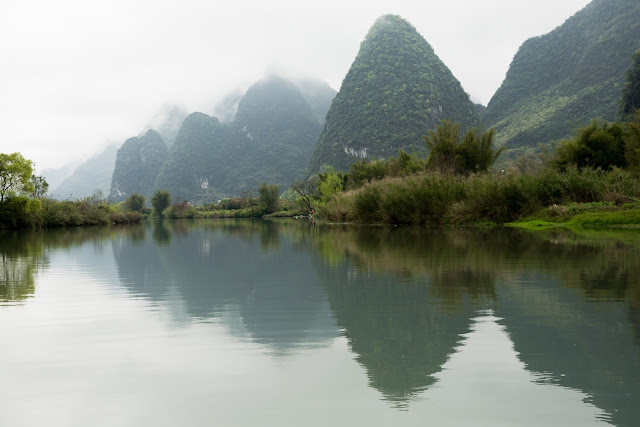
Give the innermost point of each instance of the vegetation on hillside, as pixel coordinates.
(630, 101)
(138, 163)
(396, 87)
(564, 79)
(270, 140)
(597, 165)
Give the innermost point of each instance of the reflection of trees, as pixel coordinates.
(21, 255)
(562, 299)
(215, 268)
(402, 335)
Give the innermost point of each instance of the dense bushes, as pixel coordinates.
(434, 198)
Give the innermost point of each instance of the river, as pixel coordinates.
(289, 323)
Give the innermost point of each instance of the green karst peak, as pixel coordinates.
(562, 80)
(395, 91)
(270, 140)
(138, 163)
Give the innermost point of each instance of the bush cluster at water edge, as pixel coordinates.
(435, 198)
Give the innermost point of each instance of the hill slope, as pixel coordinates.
(138, 163)
(395, 91)
(567, 77)
(88, 177)
(270, 140)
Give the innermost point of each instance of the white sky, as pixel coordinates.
(78, 74)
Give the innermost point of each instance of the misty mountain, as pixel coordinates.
(54, 177)
(88, 177)
(567, 77)
(395, 91)
(270, 140)
(167, 122)
(138, 163)
(318, 94)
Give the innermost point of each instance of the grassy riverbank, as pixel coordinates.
(433, 198)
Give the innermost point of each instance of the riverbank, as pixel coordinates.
(593, 197)
(583, 215)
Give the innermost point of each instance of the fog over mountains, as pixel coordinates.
(396, 90)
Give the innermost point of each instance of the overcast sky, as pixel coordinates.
(78, 74)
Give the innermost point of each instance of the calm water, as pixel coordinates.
(233, 323)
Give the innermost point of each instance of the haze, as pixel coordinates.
(77, 75)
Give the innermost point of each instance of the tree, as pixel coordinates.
(269, 196)
(599, 144)
(632, 143)
(330, 182)
(135, 202)
(442, 143)
(40, 186)
(160, 201)
(630, 101)
(474, 154)
(305, 189)
(15, 175)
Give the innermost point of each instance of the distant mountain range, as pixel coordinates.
(91, 176)
(396, 90)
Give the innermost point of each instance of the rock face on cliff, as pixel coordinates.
(395, 91)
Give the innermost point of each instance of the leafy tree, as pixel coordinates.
(630, 101)
(443, 144)
(135, 202)
(160, 201)
(40, 187)
(474, 154)
(269, 196)
(330, 182)
(15, 175)
(632, 142)
(599, 144)
(365, 170)
(305, 189)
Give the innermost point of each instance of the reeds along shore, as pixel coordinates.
(434, 198)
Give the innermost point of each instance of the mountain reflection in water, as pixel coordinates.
(426, 313)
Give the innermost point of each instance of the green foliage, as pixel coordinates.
(632, 143)
(475, 154)
(395, 87)
(74, 213)
(40, 187)
(15, 175)
(181, 210)
(597, 145)
(434, 198)
(567, 77)
(330, 182)
(630, 100)
(269, 196)
(135, 202)
(20, 212)
(160, 201)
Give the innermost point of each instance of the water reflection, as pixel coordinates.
(217, 269)
(570, 305)
(406, 301)
(20, 256)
